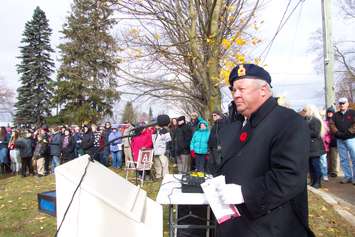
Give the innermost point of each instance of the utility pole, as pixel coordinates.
(328, 53)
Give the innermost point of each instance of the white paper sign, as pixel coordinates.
(222, 212)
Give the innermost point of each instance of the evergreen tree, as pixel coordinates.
(86, 86)
(150, 115)
(36, 66)
(129, 115)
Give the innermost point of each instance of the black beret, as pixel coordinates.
(249, 70)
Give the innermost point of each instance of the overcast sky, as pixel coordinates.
(289, 61)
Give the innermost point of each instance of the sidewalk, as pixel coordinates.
(343, 191)
(340, 196)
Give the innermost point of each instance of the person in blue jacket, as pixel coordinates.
(199, 145)
(115, 147)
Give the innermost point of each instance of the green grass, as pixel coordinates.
(19, 215)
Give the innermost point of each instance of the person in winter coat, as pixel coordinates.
(264, 162)
(142, 141)
(214, 147)
(317, 130)
(161, 163)
(127, 144)
(106, 150)
(25, 146)
(14, 153)
(332, 155)
(115, 147)
(4, 141)
(87, 142)
(55, 147)
(41, 150)
(67, 146)
(342, 125)
(97, 134)
(183, 135)
(171, 145)
(199, 145)
(78, 136)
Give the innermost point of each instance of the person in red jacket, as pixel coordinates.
(142, 141)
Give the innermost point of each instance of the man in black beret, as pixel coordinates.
(264, 161)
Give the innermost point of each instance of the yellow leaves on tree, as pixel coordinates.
(239, 41)
(224, 74)
(240, 58)
(226, 43)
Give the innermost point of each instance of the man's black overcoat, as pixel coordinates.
(271, 166)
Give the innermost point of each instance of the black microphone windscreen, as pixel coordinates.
(163, 120)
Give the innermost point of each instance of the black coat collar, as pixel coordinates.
(261, 113)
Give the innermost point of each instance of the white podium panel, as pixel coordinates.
(105, 205)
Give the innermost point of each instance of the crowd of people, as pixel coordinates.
(332, 142)
(191, 146)
(38, 151)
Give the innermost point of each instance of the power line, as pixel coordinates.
(281, 25)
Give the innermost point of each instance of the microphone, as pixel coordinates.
(162, 120)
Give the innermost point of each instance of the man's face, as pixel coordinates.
(247, 95)
(107, 125)
(343, 106)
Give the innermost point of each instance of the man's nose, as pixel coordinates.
(236, 93)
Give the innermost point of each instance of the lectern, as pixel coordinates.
(105, 204)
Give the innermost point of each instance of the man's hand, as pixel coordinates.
(231, 194)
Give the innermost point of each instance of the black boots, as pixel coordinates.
(316, 182)
(2, 169)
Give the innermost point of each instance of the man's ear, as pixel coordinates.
(263, 90)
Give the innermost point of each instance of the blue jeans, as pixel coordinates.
(55, 162)
(324, 165)
(105, 154)
(314, 169)
(3, 156)
(346, 149)
(116, 159)
(200, 162)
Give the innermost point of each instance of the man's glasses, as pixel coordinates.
(341, 103)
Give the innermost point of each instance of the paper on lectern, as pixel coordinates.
(222, 212)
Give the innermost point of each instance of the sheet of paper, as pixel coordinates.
(222, 212)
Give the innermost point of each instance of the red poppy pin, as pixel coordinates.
(243, 136)
(349, 117)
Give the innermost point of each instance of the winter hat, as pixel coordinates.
(343, 100)
(181, 118)
(331, 110)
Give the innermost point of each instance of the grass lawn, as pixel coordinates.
(19, 215)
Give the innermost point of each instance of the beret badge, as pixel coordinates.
(241, 71)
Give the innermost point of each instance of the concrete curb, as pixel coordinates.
(337, 203)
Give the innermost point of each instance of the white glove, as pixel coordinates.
(230, 194)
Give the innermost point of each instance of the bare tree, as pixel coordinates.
(348, 7)
(180, 46)
(344, 54)
(7, 96)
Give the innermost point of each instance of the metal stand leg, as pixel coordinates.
(170, 221)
